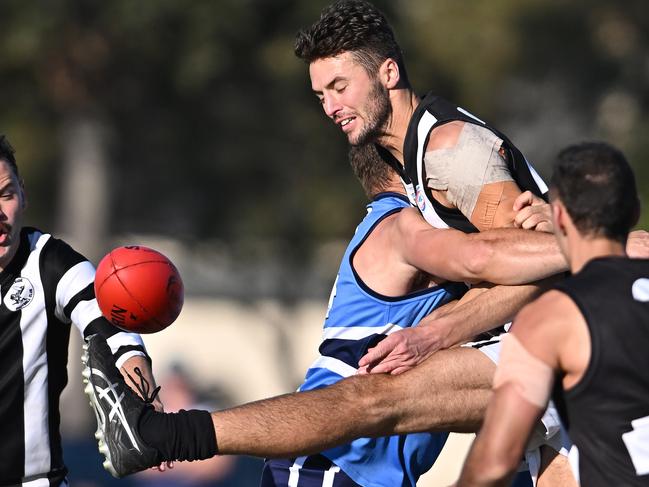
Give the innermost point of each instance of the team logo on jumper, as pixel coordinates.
(421, 201)
(20, 294)
(640, 290)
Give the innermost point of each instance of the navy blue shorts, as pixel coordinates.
(319, 471)
(522, 479)
(312, 471)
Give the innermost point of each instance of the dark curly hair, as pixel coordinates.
(356, 26)
(596, 185)
(7, 154)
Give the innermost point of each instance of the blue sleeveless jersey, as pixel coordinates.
(356, 320)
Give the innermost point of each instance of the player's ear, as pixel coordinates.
(389, 73)
(559, 215)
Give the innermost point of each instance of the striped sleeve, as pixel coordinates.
(75, 302)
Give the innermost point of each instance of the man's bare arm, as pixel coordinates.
(488, 310)
(501, 256)
(498, 448)
(480, 310)
(517, 403)
(547, 335)
(495, 206)
(466, 169)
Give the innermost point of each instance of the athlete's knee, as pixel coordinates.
(377, 396)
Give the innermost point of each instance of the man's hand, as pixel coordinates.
(637, 245)
(532, 213)
(401, 351)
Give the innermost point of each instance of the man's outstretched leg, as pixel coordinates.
(448, 392)
(365, 406)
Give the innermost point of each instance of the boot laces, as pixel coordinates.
(143, 387)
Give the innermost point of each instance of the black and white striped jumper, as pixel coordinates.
(46, 287)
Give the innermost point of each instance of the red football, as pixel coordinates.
(138, 289)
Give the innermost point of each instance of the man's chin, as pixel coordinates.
(362, 139)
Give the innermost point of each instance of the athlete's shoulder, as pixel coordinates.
(550, 305)
(414, 236)
(409, 220)
(56, 254)
(552, 328)
(552, 314)
(445, 136)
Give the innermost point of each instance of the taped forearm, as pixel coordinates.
(494, 206)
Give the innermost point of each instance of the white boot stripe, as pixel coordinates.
(115, 403)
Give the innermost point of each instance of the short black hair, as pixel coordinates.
(7, 154)
(356, 26)
(596, 184)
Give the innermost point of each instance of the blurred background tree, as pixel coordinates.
(194, 119)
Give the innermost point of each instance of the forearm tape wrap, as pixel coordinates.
(531, 377)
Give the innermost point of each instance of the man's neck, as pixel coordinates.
(404, 102)
(394, 186)
(584, 250)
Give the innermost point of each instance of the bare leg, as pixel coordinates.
(447, 392)
(555, 470)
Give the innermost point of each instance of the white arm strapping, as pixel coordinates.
(463, 170)
(531, 377)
